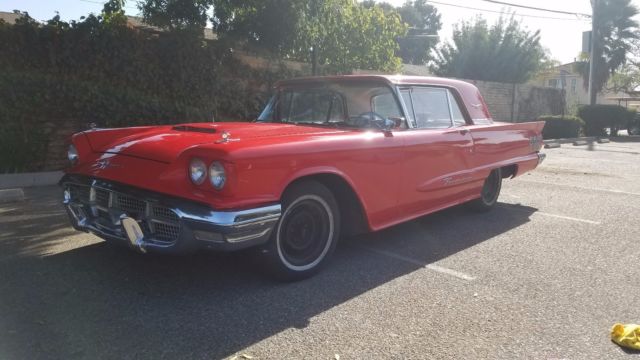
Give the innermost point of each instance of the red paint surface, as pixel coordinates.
(397, 177)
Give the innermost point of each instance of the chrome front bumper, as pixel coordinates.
(541, 157)
(156, 222)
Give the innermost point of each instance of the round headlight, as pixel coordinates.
(197, 171)
(217, 175)
(72, 154)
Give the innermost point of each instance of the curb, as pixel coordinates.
(579, 141)
(571, 140)
(10, 181)
(11, 195)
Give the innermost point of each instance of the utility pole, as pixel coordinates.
(592, 58)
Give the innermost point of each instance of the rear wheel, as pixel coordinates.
(490, 192)
(307, 233)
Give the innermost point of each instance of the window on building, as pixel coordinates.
(553, 83)
(573, 85)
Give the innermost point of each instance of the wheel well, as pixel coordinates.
(352, 216)
(509, 171)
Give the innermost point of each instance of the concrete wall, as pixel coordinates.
(520, 102)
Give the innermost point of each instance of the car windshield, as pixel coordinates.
(348, 104)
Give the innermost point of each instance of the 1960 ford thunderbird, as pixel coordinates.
(328, 157)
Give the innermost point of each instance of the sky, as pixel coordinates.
(562, 35)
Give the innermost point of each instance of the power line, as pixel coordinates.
(537, 8)
(502, 12)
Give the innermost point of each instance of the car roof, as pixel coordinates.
(390, 79)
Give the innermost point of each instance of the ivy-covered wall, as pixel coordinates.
(65, 75)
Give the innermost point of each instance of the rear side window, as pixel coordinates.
(432, 108)
(456, 114)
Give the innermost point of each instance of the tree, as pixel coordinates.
(113, 12)
(612, 41)
(423, 22)
(274, 25)
(626, 79)
(345, 34)
(176, 14)
(504, 52)
(423, 19)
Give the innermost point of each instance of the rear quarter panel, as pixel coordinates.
(502, 144)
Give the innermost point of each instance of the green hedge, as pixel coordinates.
(558, 127)
(106, 73)
(599, 118)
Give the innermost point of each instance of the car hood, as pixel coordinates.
(166, 143)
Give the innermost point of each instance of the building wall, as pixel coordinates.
(520, 102)
(564, 77)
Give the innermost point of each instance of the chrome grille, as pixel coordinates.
(165, 231)
(163, 213)
(79, 193)
(132, 206)
(102, 197)
(159, 223)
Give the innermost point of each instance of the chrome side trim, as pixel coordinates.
(237, 219)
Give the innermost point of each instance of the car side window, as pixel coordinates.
(305, 107)
(456, 114)
(406, 97)
(386, 105)
(431, 108)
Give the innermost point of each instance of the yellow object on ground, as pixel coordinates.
(626, 335)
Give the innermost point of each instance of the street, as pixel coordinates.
(545, 275)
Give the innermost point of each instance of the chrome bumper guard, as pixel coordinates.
(541, 157)
(152, 221)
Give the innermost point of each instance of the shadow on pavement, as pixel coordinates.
(102, 301)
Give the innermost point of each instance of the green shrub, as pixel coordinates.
(94, 71)
(558, 127)
(599, 118)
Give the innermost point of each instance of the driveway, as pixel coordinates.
(545, 275)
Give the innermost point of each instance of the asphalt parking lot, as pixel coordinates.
(545, 275)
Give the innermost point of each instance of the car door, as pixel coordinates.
(438, 147)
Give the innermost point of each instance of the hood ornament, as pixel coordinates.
(103, 164)
(225, 138)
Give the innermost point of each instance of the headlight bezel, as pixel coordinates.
(72, 154)
(217, 175)
(194, 164)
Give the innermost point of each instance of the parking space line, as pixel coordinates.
(515, 207)
(582, 187)
(567, 218)
(432, 267)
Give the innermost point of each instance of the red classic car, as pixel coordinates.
(327, 158)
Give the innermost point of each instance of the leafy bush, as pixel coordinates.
(599, 118)
(106, 73)
(558, 127)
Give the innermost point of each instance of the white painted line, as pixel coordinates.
(517, 208)
(583, 187)
(432, 267)
(567, 218)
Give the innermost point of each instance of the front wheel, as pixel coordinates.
(490, 192)
(634, 128)
(307, 233)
